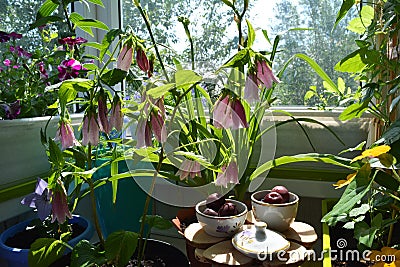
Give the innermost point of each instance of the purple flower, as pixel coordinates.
(251, 90)
(117, 118)
(102, 115)
(189, 168)
(229, 113)
(229, 175)
(72, 41)
(40, 199)
(65, 134)
(4, 37)
(90, 130)
(142, 60)
(7, 62)
(69, 69)
(42, 70)
(15, 35)
(265, 75)
(125, 57)
(143, 133)
(60, 208)
(20, 51)
(12, 110)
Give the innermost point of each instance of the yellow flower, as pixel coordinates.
(342, 183)
(373, 152)
(387, 257)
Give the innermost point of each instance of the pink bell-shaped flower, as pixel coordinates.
(125, 57)
(102, 115)
(59, 205)
(90, 130)
(251, 90)
(143, 133)
(265, 75)
(229, 113)
(117, 117)
(141, 59)
(66, 135)
(189, 168)
(229, 175)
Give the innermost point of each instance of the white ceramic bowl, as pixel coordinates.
(278, 217)
(221, 226)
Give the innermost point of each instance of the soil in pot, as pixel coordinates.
(157, 254)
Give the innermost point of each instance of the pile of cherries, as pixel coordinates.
(217, 206)
(278, 195)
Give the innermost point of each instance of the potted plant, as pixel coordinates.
(369, 205)
(26, 100)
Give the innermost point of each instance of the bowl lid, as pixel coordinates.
(255, 240)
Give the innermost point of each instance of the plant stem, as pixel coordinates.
(93, 199)
(146, 207)
(153, 41)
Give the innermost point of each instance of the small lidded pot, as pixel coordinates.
(278, 216)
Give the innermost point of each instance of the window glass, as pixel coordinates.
(303, 26)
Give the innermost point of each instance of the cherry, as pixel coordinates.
(210, 212)
(273, 198)
(215, 201)
(283, 192)
(228, 209)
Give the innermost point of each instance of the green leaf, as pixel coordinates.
(364, 233)
(319, 71)
(186, 78)
(113, 77)
(55, 154)
(85, 254)
(364, 208)
(44, 251)
(391, 135)
(96, 2)
(120, 247)
(346, 5)
(265, 33)
(107, 41)
(92, 23)
(159, 91)
(46, 9)
(353, 63)
(308, 95)
(354, 192)
(341, 86)
(157, 222)
(228, 3)
(238, 60)
(361, 23)
(386, 180)
(75, 17)
(386, 160)
(310, 157)
(251, 35)
(359, 147)
(354, 111)
(44, 21)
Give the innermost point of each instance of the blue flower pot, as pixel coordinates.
(19, 257)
